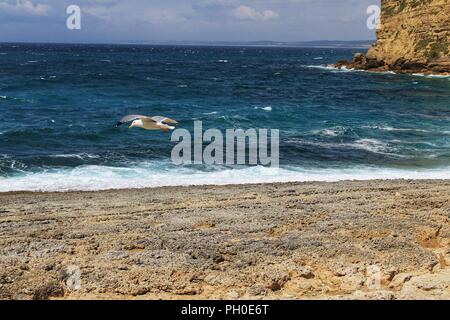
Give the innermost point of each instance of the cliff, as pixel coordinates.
(413, 36)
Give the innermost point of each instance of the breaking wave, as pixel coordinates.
(93, 178)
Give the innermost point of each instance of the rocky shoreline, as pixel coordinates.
(362, 62)
(412, 37)
(346, 240)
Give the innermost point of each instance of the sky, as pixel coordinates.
(130, 21)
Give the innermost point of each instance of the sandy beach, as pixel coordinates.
(274, 241)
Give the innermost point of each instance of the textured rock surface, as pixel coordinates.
(413, 36)
(414, 30)
(287, 241)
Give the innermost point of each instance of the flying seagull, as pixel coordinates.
(148, 123)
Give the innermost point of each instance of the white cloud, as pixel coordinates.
(100, 12)
(124, 14)
(24, 7)
(248, 13)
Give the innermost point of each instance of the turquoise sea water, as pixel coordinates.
(59, 104)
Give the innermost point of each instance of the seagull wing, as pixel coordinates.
(150, 124)
(160, 119)
(130, 118)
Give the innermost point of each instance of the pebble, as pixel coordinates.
(305, 272)
(257, 290)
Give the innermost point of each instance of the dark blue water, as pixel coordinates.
(59, 104)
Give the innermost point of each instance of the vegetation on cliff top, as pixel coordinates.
(400, 6)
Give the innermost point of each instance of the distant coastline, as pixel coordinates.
(357, 44)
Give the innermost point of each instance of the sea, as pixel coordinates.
(59, 104)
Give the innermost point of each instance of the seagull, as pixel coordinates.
(148, 123)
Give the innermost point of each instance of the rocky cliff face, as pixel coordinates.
(415, 30)
(414, 35)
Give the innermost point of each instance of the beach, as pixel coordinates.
(345, 240)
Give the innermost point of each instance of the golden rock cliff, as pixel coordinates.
(412, 36)
(414, 30)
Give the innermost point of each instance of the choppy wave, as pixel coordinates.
(406, 130)
(7, 98)
(370, 145)
(345, 69)
(333, 68)
(387, 128)
(81, 156)
(330, 132)
(93, 178)
(436, 76)
(337, 131)
(268, 109)
(325, 67)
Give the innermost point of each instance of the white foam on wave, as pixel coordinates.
(334, 69)
(370, 145)
(13, 98)
(268, 109)
(424, 143)
(387, 128)
(92, 178)
(76, 155)
(436, 76)
(345, 69)
(330, 132)
(328, 67)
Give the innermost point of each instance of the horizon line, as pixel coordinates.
(254, 43)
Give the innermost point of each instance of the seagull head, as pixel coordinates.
(136, 124)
